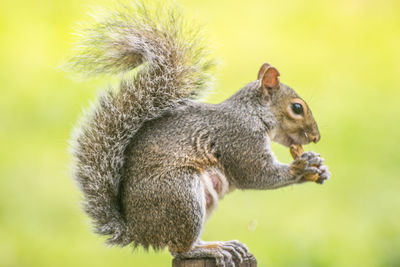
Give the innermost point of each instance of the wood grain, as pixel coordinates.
(209, 262)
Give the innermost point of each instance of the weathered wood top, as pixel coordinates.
(209, 262)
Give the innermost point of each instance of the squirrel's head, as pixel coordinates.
(294, 123)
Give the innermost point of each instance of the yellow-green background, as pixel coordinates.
(342, 56)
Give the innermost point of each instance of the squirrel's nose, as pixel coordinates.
(314, 137)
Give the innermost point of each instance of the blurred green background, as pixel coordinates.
(342, 56)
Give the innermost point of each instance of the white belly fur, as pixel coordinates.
(215, 186)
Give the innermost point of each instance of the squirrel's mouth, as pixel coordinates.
(287, 139)
(291, 141)
(297, 141)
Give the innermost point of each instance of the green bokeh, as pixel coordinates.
(342, 56)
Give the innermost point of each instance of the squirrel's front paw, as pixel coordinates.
(309, 167)
(324, 174)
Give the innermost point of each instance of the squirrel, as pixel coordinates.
(151, 161)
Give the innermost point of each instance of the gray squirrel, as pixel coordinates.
(151, 161)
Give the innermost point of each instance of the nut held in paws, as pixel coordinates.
(296, 151)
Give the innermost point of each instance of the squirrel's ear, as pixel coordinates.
(269, 76)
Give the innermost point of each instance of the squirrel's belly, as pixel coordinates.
(215, 186)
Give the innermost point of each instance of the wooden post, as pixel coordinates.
(210, 262)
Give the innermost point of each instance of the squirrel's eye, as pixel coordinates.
(297, 108)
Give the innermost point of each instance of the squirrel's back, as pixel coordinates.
(174, 65)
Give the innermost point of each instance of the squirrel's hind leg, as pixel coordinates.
(226, 254)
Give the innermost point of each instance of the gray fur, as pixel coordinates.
(160, 192)
(140, 154)
(176, 67)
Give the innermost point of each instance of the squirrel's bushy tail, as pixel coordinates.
(174, 65)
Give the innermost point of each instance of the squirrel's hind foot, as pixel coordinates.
(226, 254)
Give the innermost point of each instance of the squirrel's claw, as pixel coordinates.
(324, 174)
(226, 254)
(240, 247)
(308, 165)
(238, 250)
